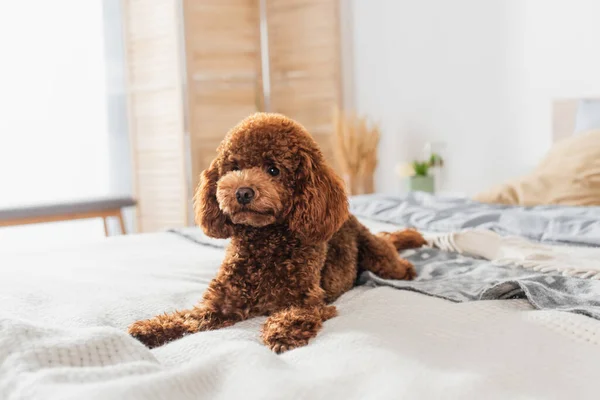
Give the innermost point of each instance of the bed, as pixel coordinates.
(507, 305)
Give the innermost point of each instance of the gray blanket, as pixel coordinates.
(548, 224)
(459, 278)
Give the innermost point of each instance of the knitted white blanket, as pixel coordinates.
(385, 344)
(63, 317)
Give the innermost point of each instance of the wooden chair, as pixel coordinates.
(106, 207)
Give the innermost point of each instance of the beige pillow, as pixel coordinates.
(569, 175)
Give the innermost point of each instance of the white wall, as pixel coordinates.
(478, 75)
(561, 51)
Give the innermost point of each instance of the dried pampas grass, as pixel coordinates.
(355, 149)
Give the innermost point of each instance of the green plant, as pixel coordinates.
(421, 168)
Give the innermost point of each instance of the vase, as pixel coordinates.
(422, 184)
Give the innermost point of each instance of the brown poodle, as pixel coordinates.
(294, 247)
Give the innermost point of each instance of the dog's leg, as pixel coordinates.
(165, 328)
(403, 240)
(295, 326)
(379, 254)
(223, 304)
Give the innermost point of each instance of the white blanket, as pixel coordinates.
(63, 317)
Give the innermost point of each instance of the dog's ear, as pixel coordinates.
(320, 201)
(206, 208)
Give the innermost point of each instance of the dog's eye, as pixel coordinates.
(273, 171)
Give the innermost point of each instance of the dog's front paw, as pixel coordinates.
(282, 344)
(146, 333)
(162, 329)
(294, 327)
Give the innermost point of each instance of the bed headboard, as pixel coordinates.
(564, 112)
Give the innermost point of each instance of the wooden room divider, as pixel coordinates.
(195, 68)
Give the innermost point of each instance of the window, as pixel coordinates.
(58, 84)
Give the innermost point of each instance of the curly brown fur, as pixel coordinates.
(294, 247)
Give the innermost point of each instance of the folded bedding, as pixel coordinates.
(460, 278)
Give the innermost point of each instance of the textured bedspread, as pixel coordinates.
(63, 320)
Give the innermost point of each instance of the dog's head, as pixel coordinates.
(269, 170)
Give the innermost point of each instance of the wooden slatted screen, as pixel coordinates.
(304, 53)
(216, 84)
(156, 112)
(223, 71)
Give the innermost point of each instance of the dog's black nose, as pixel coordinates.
(244, 195)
